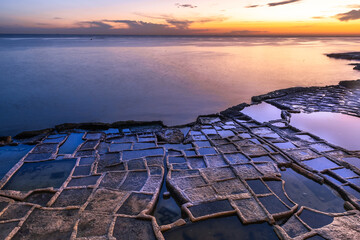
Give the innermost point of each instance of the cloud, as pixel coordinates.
(245, 33)
(282, 3)
(273, 4)
(185, 5)
(57, 18)
(183, 23)
(353, 6)
(141, 27)
(253, 6)
(180, 24)
(95, 24)
(352, 15)
(168, 26)
(318, 17)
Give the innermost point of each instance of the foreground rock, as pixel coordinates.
(105, 182)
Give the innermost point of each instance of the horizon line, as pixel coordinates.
(180, 35)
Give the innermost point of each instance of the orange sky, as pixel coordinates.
(197, 17)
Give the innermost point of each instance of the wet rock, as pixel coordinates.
(200, 193)
(129, 124)
(93, 224)
(112, 179)
(72, 197)
(235, 110)
(30, 134)
(346, 227)
(285, 115)
(356, 66)
(87, 126)
(273, 205)
(315, 219)
(135, 204)
(15, 211)
(172, 135)
(250, 211)
(38, 175)
(347, 56)
(6, 228)
(166, 195)
(134, 181)
(350, 84)
(227, 166)
(131, 228)
(40, 197)
(211, 208)
(105, 200)
(35, 157)
(45, 148)
(294, 227)
(83, 181)
(44, 224)
(277, 93)
(5, 140)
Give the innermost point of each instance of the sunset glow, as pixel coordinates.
(163, 17)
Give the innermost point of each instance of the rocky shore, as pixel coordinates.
(355, 56)
(117, 181)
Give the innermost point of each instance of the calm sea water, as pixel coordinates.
(46, 81)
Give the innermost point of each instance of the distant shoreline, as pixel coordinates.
(25, 35)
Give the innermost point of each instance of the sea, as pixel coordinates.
(52, 79)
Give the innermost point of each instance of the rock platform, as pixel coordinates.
(104, 181)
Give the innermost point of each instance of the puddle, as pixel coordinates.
(262, 159)
(166, 210)
(210, 208)
(276, 187)
(316, 237)
(320, 164)
(352, 191)
(285, 145)
(336, 128)
(221, 228)
(345, 173)
(142, 153)
(71, 143)
(353, 161)
(314, 219)
(294, 227)
(273, 205)
(10, 155)
(176, 146)
(40, 175)
(263, 112)
(257, 186)
(207, 151)
(306, 192)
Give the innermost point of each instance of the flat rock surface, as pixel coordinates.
(105, 184)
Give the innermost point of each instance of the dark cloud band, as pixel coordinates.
(274, 4)
(352, 15)
(185, 5)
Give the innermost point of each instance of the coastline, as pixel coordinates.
(270, 97)
(146, 180)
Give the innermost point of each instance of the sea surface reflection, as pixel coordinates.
(47, 81)
(336, 128)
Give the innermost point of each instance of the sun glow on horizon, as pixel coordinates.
(163, 17)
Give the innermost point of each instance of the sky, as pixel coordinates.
(192, 17)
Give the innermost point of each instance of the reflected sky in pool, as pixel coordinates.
(221, 228)
(49, 81)
(336, 128)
